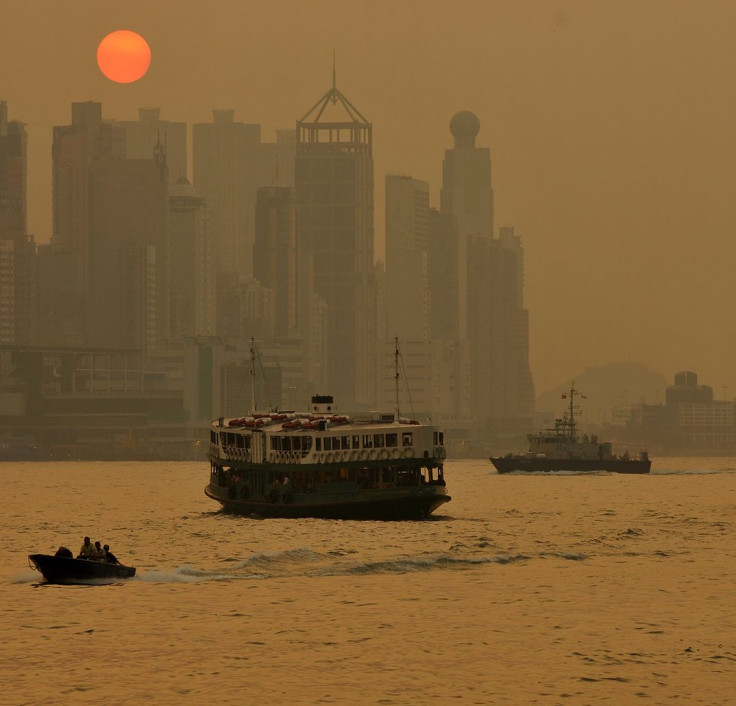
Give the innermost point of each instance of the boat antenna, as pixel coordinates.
(397, 416)
(252, 376)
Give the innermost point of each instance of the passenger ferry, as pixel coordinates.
(319, 463)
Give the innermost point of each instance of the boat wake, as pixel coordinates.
(294, 563)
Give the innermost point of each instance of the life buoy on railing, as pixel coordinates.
(353, 455)
(346, 456)
(297, 457)
(372, 454)
(383, 454)
(328, 457)
(409, 452)
(395, 453)
(363, 454)
(247, 455)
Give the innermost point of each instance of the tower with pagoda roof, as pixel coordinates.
(334, 191)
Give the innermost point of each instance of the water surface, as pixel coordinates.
(525, 589)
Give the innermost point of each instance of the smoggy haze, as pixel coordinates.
(611, 127)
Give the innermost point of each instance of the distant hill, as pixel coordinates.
(606, 388)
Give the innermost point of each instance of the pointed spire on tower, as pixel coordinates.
(334, 71)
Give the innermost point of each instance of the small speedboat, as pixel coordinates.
(62, 569)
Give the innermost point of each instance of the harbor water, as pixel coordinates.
(525, 589)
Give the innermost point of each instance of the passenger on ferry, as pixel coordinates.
(86, 550)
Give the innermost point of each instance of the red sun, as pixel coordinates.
(123, 56)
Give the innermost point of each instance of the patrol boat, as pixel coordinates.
(563, 449)
(319, 463)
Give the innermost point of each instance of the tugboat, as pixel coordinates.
(319, 463)
(563, 449)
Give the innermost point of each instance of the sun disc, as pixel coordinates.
(123, 56)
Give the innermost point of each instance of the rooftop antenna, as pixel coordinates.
(334, 77)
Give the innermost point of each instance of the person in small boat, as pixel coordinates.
(87, 549)
(99, 553)
(64, 552)
(110, 558)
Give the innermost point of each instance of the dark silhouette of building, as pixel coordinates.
(487, 318)
(128, 300)
(17, 249)
(334, 187)
(191, 263)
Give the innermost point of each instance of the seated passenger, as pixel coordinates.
(99, 553)
(110, 558)
(86, 550)
(66, 553)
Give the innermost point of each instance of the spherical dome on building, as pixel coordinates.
(464, 125)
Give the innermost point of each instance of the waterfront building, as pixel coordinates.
(486, 276)
(334, 187)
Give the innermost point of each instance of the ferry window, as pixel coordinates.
(442, 438)
(328, 443)
(240, 441)
(336, 442)
(392, 440)
(306, 443)
(378, 441)
(285, 443)
(367, 441)
(247, 442)
(406, 439)
(222, 439)
(356, 441)
(296, 443)
(435, 437)
(213, 437)
(318, 444)
(346, 442)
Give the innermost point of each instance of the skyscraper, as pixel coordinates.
(230, 163)
(407, 258)
(191, 263)
(74, 148)
(334, 187)
(142, 136)
(128, 301)
(15, 289)
(275, 254)
(492, 323)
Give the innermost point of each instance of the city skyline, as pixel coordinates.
(608, 129)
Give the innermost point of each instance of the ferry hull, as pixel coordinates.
(399, 504)
(511, 464)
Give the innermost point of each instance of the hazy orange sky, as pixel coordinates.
(611, 126)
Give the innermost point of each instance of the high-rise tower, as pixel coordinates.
(334, 187)
(74, 149)
(142, 136)
(487, 274)
(16, 248)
